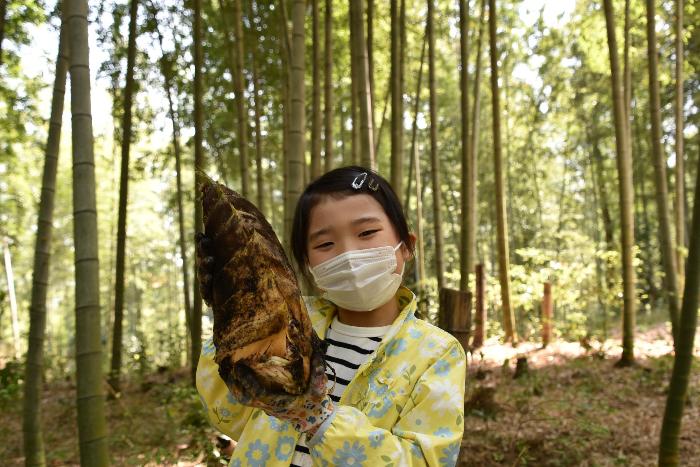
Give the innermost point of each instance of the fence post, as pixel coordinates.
(480, 311)
(547, 314)
(455, 314)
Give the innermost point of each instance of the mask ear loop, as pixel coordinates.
(411, 256)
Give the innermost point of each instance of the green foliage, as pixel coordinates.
(18, 90)
(19, 107)
(10, 382)
(556, 119)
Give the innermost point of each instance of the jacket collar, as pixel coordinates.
(407, 305)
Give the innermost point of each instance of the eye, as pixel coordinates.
(323, 245)
(367, 233)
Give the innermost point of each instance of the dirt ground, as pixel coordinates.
(573, 408)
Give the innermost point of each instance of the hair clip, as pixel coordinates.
(372, 187)
(358, 184)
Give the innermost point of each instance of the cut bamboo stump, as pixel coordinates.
(521, 367)
(480, 311)
(455, 314)
(547, 314)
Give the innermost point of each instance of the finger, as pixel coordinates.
(248, 382)
(205, 277)
(257, 394)
(206, 243)
(203, 269)
(318, 383)
(206, 288)
(198, 240)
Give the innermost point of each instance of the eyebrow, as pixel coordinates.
(358, 221)
(318, 233)
(365, 220)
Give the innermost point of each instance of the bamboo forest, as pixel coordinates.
(545, 155)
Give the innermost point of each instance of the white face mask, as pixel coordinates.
(360, 280)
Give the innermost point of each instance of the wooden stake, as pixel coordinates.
(455, 314)
(480, 312)
(547, 314)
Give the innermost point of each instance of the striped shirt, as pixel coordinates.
(348, 348)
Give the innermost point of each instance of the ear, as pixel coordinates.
(405, 250)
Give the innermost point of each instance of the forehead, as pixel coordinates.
(332, 211)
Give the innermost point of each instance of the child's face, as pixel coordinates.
(357, 222)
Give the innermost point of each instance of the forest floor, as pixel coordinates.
(572, 408)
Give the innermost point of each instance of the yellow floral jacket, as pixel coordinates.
(404, 407)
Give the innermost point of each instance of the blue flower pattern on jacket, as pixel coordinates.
(380, 409)
(442, 367)
(350, 455)
(415, 450)
(443, 432)
(395, 347)
(450, 454)
(208, 347)
(285, 448)
(375, 385)
(258, 453)
(375, 438)
(278, 425)
(231, 399)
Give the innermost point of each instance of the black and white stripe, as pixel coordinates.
(348, 348)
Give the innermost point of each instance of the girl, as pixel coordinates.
(395, 392)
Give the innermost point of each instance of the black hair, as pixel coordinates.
(339, 183)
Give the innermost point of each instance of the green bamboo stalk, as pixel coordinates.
(123, 202)
(678, 387)
(34, 453)
(501, 214)
(92, 430)
(466, 253)
(666, 241)
(624, 173)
